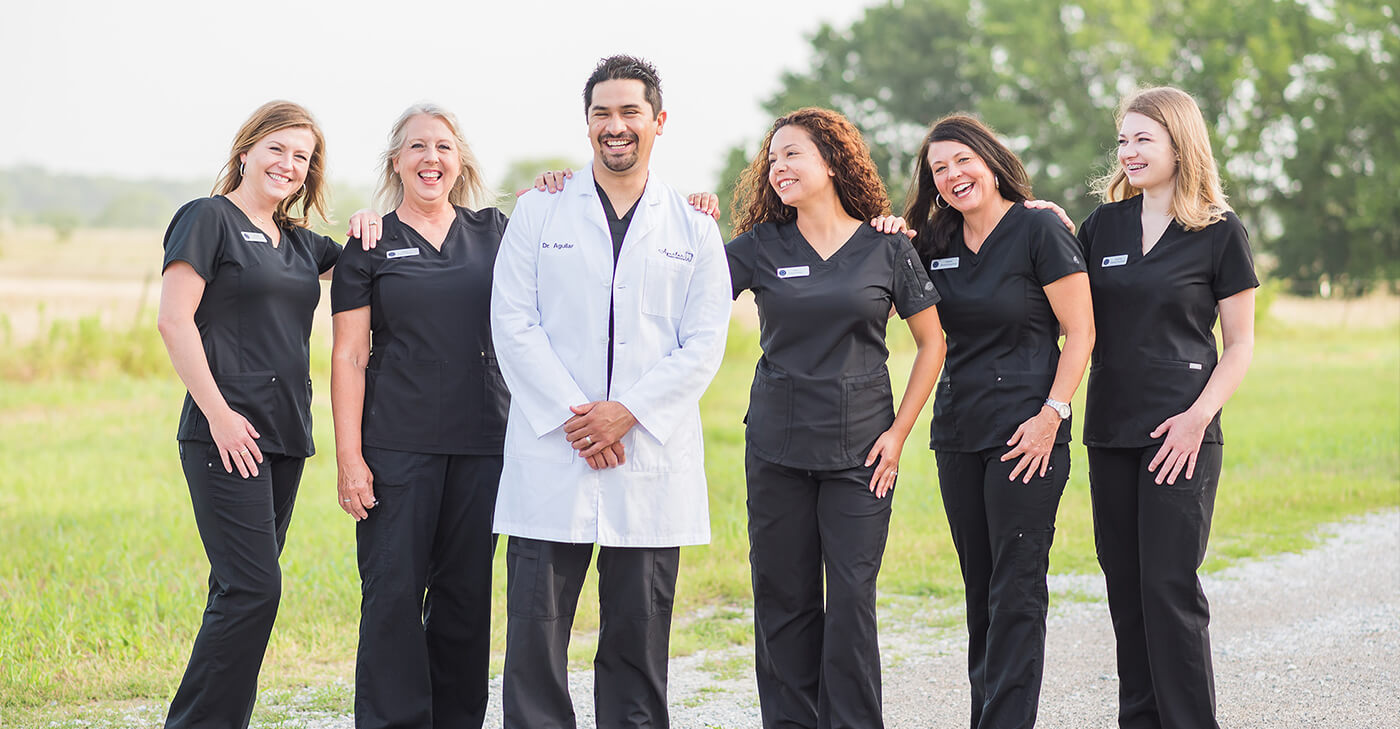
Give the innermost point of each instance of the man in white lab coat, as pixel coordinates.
(609, 310)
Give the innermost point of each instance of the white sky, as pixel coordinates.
(157, 88)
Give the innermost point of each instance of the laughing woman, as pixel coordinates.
(1165, 255)
(1012, 281)
(237, 292)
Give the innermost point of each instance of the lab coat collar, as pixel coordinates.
(642, 220)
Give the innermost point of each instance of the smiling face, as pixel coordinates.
(1145, 153)
(275, 166)
(962, 176)
(622, 125)
(796, 169)
(429, 161)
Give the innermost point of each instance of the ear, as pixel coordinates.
(660, 122)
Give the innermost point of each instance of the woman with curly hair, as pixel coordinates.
(823, 439)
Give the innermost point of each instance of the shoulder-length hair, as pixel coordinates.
(1197, 197)
(272, 117)
(469, 189)
(939, 223)
(843, 149)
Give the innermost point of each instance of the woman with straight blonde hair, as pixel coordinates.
(1165, 255)
(238, 288)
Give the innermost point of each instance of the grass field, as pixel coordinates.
(102, 573)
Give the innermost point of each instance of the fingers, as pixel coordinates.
(882, 481)
(597, 463)
(1158, 457)
(1191, 466)
(705, 202)
(1017, 437)
(1026, 460)
(609, 457)
(581, 409)
(620, 452)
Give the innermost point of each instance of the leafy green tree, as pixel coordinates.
(1301, 96)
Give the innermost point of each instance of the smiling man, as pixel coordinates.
(609, 312)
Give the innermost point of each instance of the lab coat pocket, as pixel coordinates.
(867, 410)
(770, 413)
(402, 402)
(664, 286)
(552, 447)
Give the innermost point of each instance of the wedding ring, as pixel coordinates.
(346, 500)
(588, 439)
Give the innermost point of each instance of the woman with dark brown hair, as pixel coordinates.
(1011, 281)
(823, 439)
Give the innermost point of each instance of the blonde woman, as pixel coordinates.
(420, 412)
(1165, 255)
(237, 292)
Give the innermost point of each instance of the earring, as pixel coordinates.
(996, 182)
(240, 169)
(939, 202)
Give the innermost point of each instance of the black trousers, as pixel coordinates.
(636, 590)
(818, 661)
(243, 525)
(1150, 540)
(1003, 531)
(425, 591)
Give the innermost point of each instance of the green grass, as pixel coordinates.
(102, 572)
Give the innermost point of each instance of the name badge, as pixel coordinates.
(254, 237)
(940, 264)
(794, 272)
(1111, 261)
(401, 253)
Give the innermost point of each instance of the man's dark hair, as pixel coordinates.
(614, 68)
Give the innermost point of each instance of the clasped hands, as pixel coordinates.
(596, 431)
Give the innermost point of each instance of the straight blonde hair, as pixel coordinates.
(1197, 197)
(272, 117)
(468, 190)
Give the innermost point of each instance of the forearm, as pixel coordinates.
(1228, 374)
(347, 402)
(187, 356)
(922, 378)
(1074, 358)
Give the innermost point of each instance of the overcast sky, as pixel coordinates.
(157, 88)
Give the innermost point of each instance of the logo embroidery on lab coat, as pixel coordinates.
(794, 272)
(1111, 261)
(943, 263)
(686, 256)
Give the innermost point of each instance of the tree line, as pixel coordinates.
(1302, 96)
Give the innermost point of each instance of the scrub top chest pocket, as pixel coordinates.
(821, 393)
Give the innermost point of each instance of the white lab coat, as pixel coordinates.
(549, 323)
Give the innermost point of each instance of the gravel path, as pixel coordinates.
(1300, 640)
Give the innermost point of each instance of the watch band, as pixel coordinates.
(1061, 408)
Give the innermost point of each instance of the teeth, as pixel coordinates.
(960, 189)
(430, 175)
(783, 185)
(617, 144)
(279, 178)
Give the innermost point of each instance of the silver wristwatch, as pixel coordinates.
(1060, 408)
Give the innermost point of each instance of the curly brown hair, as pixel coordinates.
(857, 181)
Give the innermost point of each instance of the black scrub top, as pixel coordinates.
(254, 319)
(821, 392)
(432, 384)
(1153, 317)
(1003, 337)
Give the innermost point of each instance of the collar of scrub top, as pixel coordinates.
(583, 183)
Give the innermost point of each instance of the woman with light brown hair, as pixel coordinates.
(238, 289)
(823, 441)
(1165, 255)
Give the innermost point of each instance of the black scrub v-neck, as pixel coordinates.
(1002, 334)
(432, 384)
(617, 229)
(821, 393)
(1153, 316)
(254, 318)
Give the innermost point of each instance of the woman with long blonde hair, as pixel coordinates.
(1165, 255)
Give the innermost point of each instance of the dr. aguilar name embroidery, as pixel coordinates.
(556, 246)
(686, 256)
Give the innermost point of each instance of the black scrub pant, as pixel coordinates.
(425, 590)
(243, 524)
(818, 663)
(636, 589)
(1003, 530)
(1150, 540)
